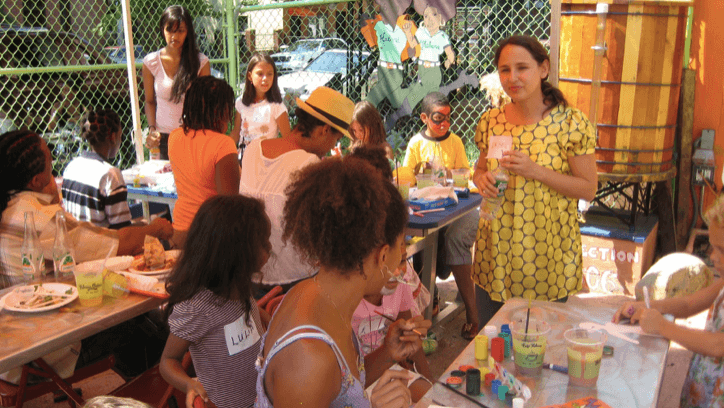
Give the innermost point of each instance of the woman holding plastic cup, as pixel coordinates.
(533, 248)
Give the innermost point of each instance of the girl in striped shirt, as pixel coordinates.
(211, 312)
(93, 189)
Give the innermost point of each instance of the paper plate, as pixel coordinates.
(12, 301)
(172, 254)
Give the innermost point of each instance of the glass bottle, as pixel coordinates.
(491, 205)
(63, 254)
(32, 261)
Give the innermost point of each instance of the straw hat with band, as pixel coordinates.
(329, 106)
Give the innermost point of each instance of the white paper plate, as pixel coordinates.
(12, 300)
(172, 254)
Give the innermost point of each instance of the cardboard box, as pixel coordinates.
(615, 256)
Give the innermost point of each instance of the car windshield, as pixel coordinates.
(304, 46)
(329, 62)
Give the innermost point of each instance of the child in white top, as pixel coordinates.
(260, 110)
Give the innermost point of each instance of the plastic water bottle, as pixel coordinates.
(439, 172)
(32, 261)
(491, 205)
(63, 254)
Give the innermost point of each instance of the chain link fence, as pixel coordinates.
(57, 59)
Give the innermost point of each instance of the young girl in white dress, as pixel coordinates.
(260, 112)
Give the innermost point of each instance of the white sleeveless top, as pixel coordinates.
(168, 113)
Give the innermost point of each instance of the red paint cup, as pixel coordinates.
(498, 349)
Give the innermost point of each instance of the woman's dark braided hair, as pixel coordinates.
(188, 68)
(552, 96)
(99, 125)
(209, 104)
(21, 159)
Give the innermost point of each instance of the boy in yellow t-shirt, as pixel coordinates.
(436, 138)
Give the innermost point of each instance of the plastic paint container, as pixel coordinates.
(472, 384)
(492, 332)
(502, 390)
(497, 350)
(494, 386)
(481, 347)
(489, 378)
(508, 343)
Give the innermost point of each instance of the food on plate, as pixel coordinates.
(165, 169)
(42, 297)
(154, 255)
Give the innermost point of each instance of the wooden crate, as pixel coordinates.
(614, 256)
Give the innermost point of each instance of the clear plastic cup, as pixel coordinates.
(424, 180)
(585, 350)
(529, 348)
(460, 177)
(89, 281)
(404, 189)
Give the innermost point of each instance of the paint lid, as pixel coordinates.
(491, 331)
(454, 382)
(607, 350)
(505, 328)
(518, 402)
(457, 373)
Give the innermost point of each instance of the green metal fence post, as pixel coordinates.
(232, 54)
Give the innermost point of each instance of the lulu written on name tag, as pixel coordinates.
(239, 336)
(498, 145)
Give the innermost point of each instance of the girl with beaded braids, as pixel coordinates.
(27, 184)
(93, 189)
(342, 216)
(533, 248)
(167, 74)
(203, 159)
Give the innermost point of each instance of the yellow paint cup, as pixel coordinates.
(481, 347)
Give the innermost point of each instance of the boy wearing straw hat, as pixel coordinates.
(269, 164)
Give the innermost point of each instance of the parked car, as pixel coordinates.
(51, 101)
(118, 54)
(298, 55)
(329, 69)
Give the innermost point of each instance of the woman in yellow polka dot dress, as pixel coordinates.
(533, 248)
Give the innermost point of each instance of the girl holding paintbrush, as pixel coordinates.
(376, 312)
(704, 385)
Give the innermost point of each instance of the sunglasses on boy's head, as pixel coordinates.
(438, 118)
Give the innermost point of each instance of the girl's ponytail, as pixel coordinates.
(552, 96)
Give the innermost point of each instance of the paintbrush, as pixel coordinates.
(467, 397)
(392, 320)
(527, 318)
